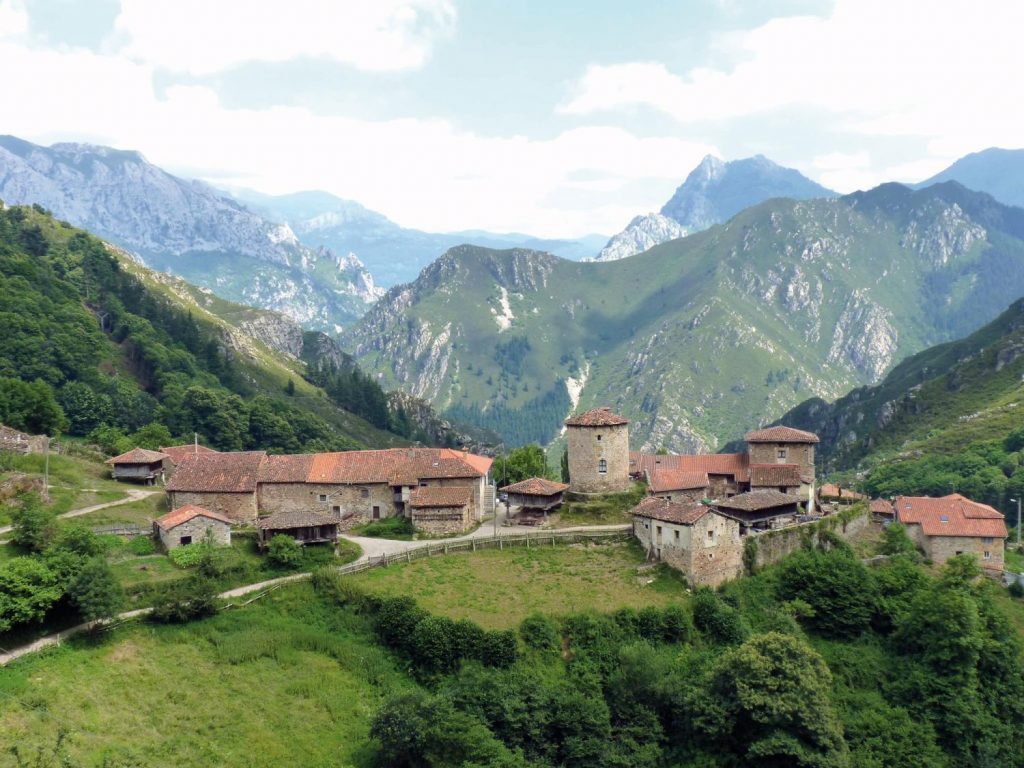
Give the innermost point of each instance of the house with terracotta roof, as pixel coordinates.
(531, 500)
(138, 465)
(440, 511)
(221, 482)
(700, 541)
(832, 492)
(882, 508)
(178, 453)
(678, 484)
(191, 524)
(954, 525)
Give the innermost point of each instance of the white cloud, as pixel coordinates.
(424, 173)
(207, 36)
(13, 19)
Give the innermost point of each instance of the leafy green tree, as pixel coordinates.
(539, 632)
(186, 600)
(895, 541)
(769, 703)
(564, 466)
(835, 585)
(95, 591)
(152, 436)
(520, 464)
(284, 551)
(77, 539)
(85, 408)
(31, 407)
(34, 524)
(28, 589)
(716, 619)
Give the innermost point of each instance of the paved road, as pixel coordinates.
(134, 494)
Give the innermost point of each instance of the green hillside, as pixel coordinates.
(701, 338)
(96, 345)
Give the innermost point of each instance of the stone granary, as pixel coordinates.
(598, 448)
(762, 508)
(698, 540)
(441, 511)
(304, 527)
(954, 525)
(534, 498)
(191, 524)
(138, 465)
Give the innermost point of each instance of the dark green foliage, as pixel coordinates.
(539, 633)
(28, 589)
(30, 406)
(77, 539)
(284, 551)
(142, 545)
(536, 421)
(750, 555)
(511, 355)
(835, 585)
(895, 541)
(520, 464)
(388, 528)
(716, 619)
(185, 600)
(564, 465)
(34, 524)
(95, 591)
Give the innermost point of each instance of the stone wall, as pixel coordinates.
(704, 559)
(296, 497)
(442, 521)
(772, 546)
(692, 494)
(239, 507)
(587, 446)
(474, 483)
(197, 528)
(941, 548)
(796, 453)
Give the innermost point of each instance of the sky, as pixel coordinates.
(553, 118)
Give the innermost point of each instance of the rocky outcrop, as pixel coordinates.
(642, 233)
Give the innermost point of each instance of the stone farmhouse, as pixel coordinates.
(954, 525)
(178, 453)
(351, 486)
(192, 524)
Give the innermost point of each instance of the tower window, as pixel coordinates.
(602, 467)
(781, 453)
(599, 438)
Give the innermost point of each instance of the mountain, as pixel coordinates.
(393, 254)
(1000, 172)
(712, 193)
(699, 339)
(186, 228)
(641, 233)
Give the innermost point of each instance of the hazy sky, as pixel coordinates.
(553, 118)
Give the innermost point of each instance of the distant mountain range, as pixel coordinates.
(712, 193)
(699, 339)
(1000, 172)
(393, 254)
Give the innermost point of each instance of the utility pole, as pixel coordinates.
(1018, 521)
(46, 472)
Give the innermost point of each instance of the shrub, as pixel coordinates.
(539, 632)
(189, 555)
(1016, 589)
(388, 528)
(284, 551)
(142, 545)
(79, 540)
(836, 586)
(95, 591)
(676, 624)
(183, 601)
(895, 541)
(717, 619)
(396, 619)
(498, 648)
(34, 525)
(28, 589)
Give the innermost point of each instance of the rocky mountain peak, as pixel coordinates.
(642, 233)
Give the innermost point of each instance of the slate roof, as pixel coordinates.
(833, 491)
(291, 468)
(881, 507)
(679, 512)
(454, 496)
(780, 434)
(183, 514)
(178, 453)
(536, 486)
(952, 515)
(281, 521)
(218, 473)
(663, 479)
(596, 417)
(787, 475)
(138, 456)
(734, 464)
(755, 501)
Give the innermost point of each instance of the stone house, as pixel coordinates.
(762, 508)
(138, 465)
(222, 482)
(678, 484)
(191, 524)
(785, 478)
(698, 540)
(954, 525)
(784, 445)
(598, 448)
(178, 453)
(305, 527)
(882, 508)
(440, 511)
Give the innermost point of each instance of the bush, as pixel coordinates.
(183, 601)
(837, 586)
(895, 541)
(142, 545)
(284, 552)
(190, 555)
(717, 619)
(1016, 589)
(34, 525)
(388, 528)
(539, 632)
(96, 592)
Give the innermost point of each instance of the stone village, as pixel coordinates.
(698, 514)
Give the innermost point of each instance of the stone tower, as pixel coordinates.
(784, 445)
(598, 452)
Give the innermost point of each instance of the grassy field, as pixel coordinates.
(1014, 560)
(142, 512)
(76, 481)
(289, 680)
(497, 589)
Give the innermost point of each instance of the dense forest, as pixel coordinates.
(537, 421)
(818, 662)
(89, 350)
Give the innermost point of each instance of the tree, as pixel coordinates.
(716, 619)
(85, 409)
(284, 551)
(95, 591)
(565, 465)
(835, 585)
(152, 436)
(33, 523)
(768, 702)
(289, 388)
(28, 589)
(30, 406)
(895, 541)
(521, 464)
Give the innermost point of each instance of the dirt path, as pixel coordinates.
(134, 494)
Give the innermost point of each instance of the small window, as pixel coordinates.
(988, 555)
(781, 453)
(945, 519)
(336, 509)
(677, 536)
(599, 438)
(602, 467)
(711, 555)
(423, 483)
(185, 540)
(711, 535)
(364, 493)
(986, 540)
(959, 552)
(322, 497)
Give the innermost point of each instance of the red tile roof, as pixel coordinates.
(291, 468)
(779, 475)
(395, 466)
(881, 507)
(755, 501)
(481, 464)
(952, 515)
(664, 479)
(138, 456)
(184, 514)
(833, 491)
(596, 417)
(734, 464)
(780, 435)
(178, 453)
(679, 512)
(536, 486)
(454, 496)
(218, 473)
